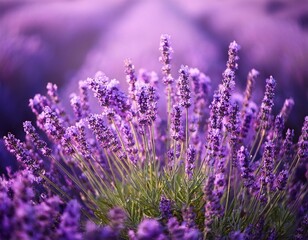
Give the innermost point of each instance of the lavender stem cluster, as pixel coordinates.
(219, 167)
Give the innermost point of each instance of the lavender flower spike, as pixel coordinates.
(303, 142)
(246, 171)
(176, 126)
(287, 108)
(183, 86)
(18, 148)
(190, 161)
(130, 78)
(233, 56)
(268, 163)
(68, 228)
(267, 103)
(165, 207)
(165, 59)
(251, 78)
(40, 144)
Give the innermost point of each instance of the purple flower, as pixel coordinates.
(18, 148)
(190, 161)
(130, 78)
(37, 103)
(34, 137)
(233, 129)
(281, 180)
(84, 98)
(301, 233)
(267, 103)
(268, 164)
(165, 207)
(209, 199)
(166, 52)
(52, 91)
(183, 87)
(176, 125)
(52, 124)
(117, 217)
(287, 108)
(143, 105)
(189, 217)
(152, 99)
(247, 118)
(149, 229)
(176, 231)
(103, 134)
(76, 105)
(244, 163)
(287, 147)
(225, 92)
(236, 235)
(233, 56)
(252, 76)
(303, 142)
(69, 225)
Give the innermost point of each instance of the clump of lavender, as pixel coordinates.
(213, 169)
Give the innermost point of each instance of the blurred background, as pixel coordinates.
(65, 41)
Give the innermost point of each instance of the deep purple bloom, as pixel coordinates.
(233, 56)
(287, 108)
(166, 52)
(130, 78)
(251, 78)
(165, 207)
(268, 164)
(233, 129)
(69, 225)
(281, 180)
(103, 134)
(286, 150)
(209, 199)
(117, 218)
(35, 138)
(190, 161)
(176, 231)
(84, 98)
(149, 229)
(244, 163)
(189, 217)
(303, 142)
(177, 128)
(22, 154)
(76, 105)
(267, 103)
(52, 91)
(183, 87)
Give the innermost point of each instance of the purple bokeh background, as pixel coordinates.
(66, 41)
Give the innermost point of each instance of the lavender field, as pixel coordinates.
(202, 133)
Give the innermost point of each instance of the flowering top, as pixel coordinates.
(183, 86)
(40, 144)
(108, 94)
(267, 102)
(251, 78)
(166, 51)
(130, 77)
(233, 56)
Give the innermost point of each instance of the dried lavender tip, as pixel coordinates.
(287, 108)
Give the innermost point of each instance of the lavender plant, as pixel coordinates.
(214, 168)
